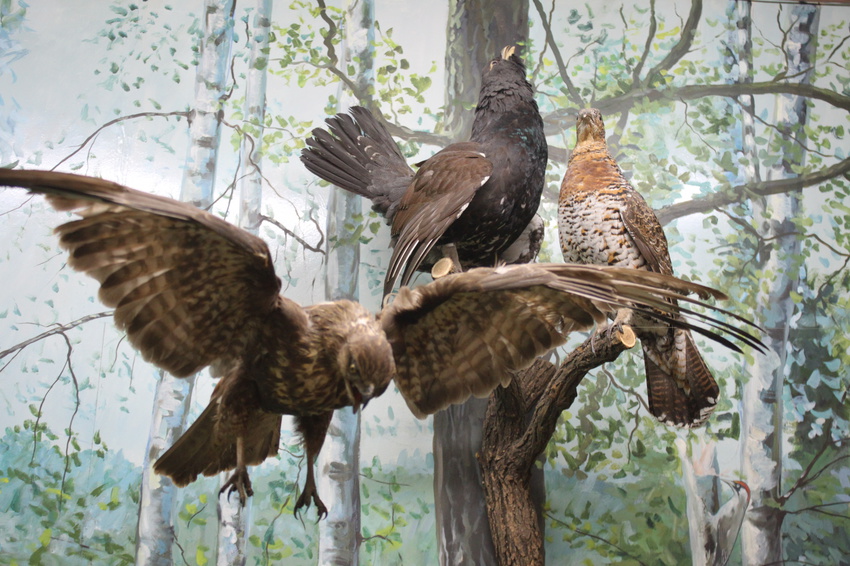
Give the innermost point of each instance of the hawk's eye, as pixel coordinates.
(352, 368)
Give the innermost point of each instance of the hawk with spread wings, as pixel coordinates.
(191, 291)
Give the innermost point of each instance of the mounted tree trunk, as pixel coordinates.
(339, 461)
(477, 31)
(774, 217)
(234, 520)
(155, 533)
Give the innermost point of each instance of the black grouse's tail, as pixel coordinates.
(357, 153)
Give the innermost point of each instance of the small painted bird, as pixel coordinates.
(191, 291)
(471, 200)
(726, 525)
(603, 220)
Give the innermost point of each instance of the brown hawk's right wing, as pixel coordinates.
(187, 287)
(464, 334)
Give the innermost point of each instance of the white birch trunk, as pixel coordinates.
(702, 488)
(761, 415)
(155, 533)
(234, 520)
(339, 461)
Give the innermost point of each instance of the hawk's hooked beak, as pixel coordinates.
(508, 51)
(360, 399)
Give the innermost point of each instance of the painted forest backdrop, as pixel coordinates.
(730, 117)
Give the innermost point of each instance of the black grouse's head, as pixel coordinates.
(507, 64)
(504, 79)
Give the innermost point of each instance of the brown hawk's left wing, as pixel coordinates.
(464, 334)
(187, 287)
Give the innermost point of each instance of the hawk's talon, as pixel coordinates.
(310, 494)
(239, 482)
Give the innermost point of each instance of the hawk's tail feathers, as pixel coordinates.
(204, 450)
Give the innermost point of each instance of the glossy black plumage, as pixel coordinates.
(478, 195)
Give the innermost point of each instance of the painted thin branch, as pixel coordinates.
(183, 114)
(556, 53)
(54, 330)
(647, 48)
(686, 40)
(292, 234)
(565, 117)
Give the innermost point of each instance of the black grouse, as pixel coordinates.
(472, 199)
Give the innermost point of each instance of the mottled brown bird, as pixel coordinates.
(603, 220)
(471, 200)
(191, 290)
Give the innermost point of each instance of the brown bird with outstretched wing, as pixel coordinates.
(602, 220)
(191, 290)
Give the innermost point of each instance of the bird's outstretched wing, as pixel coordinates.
(441, 190)
(187, 287)
(464, 334)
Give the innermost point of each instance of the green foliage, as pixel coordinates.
(48, 494)
(140, 43)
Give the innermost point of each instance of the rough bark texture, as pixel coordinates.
(339, 461)
(155, 535)
(520, 421)
(234, 520)
(463, 531)
(762, 410)
(477, 30)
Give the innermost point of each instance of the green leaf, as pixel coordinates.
(44, 539)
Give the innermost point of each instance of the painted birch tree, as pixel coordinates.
(776, 218)
(173, 395)
(339, 461)
(235, 520)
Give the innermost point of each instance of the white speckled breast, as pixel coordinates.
(591, 231)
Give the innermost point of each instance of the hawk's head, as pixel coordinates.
(365, 362)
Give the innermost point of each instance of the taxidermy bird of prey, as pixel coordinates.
(602, 220)
(191, 290)
(471, 200)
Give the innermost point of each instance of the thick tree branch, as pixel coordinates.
(741, 193)
(519, 423)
